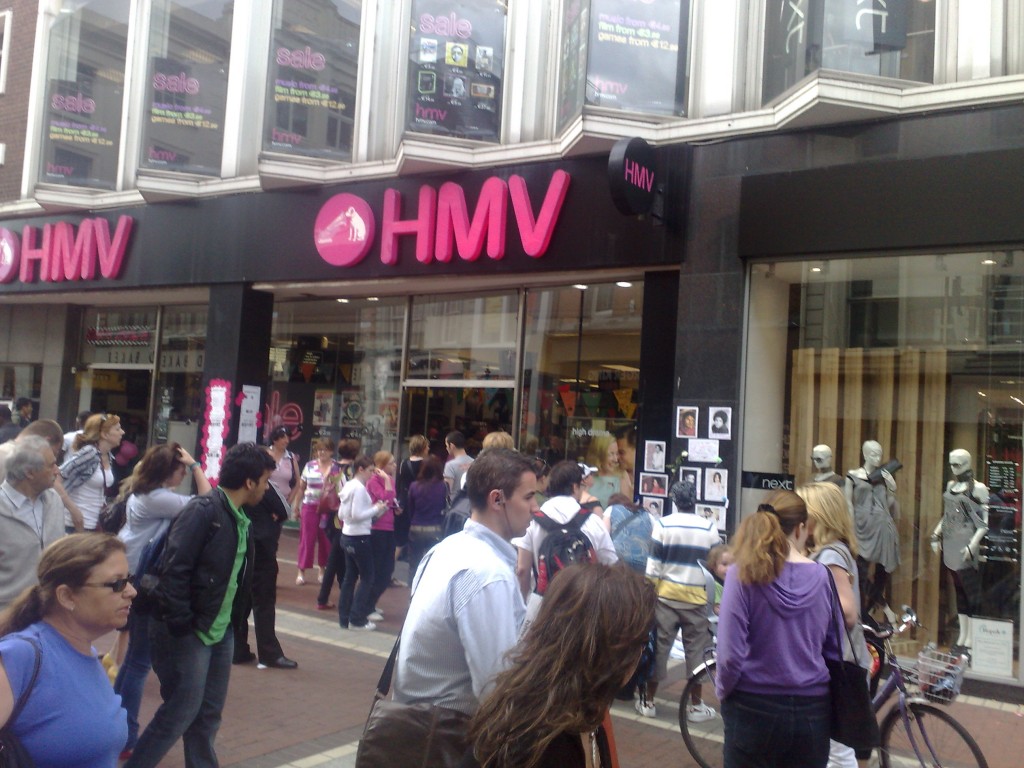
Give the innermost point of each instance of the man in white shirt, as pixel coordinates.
(31, 514)
(466, 606)
(459, 462)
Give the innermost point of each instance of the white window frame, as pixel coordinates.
(6, 17)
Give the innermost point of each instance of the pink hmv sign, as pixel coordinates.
(346, 227)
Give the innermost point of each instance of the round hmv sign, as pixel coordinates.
(631, 175)
(344, 230)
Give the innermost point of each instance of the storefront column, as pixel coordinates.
(238, 342)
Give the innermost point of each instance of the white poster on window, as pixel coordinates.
(249, 409)
(993, 647)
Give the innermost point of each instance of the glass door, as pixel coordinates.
(436, 409)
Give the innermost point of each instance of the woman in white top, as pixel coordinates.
(357, 513)
(87, 474)
(152, 507)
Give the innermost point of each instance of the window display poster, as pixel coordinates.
(82, 133)
(249, 414)
(638, 54)
(312, 80)
(572, 62)
(993, 647)
(184, 129)
(323, 408)
(456, 59)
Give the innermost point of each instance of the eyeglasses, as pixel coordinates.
(117, 585)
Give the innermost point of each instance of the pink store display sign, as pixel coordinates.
(215, 427)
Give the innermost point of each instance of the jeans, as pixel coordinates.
(383, 545)
(131, 678)
(194, 686)
(775, 731)
(421, 539)
(355, 604)
(335, 568)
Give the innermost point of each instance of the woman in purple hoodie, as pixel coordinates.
(776, 625)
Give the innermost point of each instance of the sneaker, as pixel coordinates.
(324, 606)
(376, 616)
(699, 713)
(367, 627)
(644, 709)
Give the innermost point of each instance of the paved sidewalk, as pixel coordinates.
(313, 716)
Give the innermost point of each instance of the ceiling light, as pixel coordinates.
(580, 287)
(981, 394)
(342, 301)
(988, 262)
(624, 284)
(815, 269)
(372, 298)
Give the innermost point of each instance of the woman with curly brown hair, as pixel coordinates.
(546, 709)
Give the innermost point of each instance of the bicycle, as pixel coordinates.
(914, 731)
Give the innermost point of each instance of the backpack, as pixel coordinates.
(564, 545)
(456, 514)
(113, 516)
(147, 574)
(632, 536)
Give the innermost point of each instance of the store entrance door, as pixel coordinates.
(436, 409)
(125, 391)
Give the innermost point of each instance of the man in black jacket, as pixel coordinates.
(261, 601)
(207, 562)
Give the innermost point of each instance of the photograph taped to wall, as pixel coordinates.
(653, 484)
(693, 475)
(653, 505)
(687, 417)
(713, 512)
(716, 483)
(720, 421)
(654, 456)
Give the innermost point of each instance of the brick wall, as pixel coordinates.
(14, 101)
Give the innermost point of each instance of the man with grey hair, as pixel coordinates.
(31, 514)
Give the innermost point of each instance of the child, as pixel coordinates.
(719, 560)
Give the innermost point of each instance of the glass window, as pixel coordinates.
(311, 88)
(186, 86)
(84, 94)
(638, 55)
(572, 62)
(581, 375)
(5, 43)
(179, 375)
(456, 61)
(920, 355)
(893, 39)
(335, 370)
(21, 380)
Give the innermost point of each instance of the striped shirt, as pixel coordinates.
(465, 614)
(678, 541)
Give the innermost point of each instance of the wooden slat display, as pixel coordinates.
(933, 458)
(881, 401)
(802, 421)
(907, 415)
(849, 456)
(828, 401)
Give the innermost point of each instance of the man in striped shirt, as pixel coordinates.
(678, 541)
(466, 607)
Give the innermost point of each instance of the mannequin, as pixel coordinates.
(958, 535)
(821, 457)
(871, 494)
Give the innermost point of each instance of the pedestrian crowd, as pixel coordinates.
(548, 596)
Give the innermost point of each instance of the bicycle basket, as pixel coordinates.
(939, 675)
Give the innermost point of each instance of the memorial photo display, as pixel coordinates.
(456, 58)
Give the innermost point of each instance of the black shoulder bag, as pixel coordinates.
(12, 752)
(853, 718)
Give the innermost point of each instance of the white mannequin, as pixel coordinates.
(964, 484)
(821, 458)
(875, 508)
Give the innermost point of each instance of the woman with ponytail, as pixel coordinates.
(776, 624)
(83, 593)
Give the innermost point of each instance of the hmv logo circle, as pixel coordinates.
(344, 230)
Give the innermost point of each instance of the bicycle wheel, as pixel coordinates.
(704, 739)
(929, 737)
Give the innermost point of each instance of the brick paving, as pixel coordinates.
(313, 716)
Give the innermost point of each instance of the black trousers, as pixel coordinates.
(261, 602)
(334, 571)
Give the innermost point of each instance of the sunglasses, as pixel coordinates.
(117, 585)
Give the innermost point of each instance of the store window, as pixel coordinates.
(903, 361)
(335, 369)
(893, 39)
(581, 375)
(178, 409)
(84, 93)
(186, 86)
(20, 380)
(311, 85)
(456, 68)
(638, 55)
(572, 63)
(5, 46)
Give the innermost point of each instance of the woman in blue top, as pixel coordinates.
(773, 633)
(71, 718)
